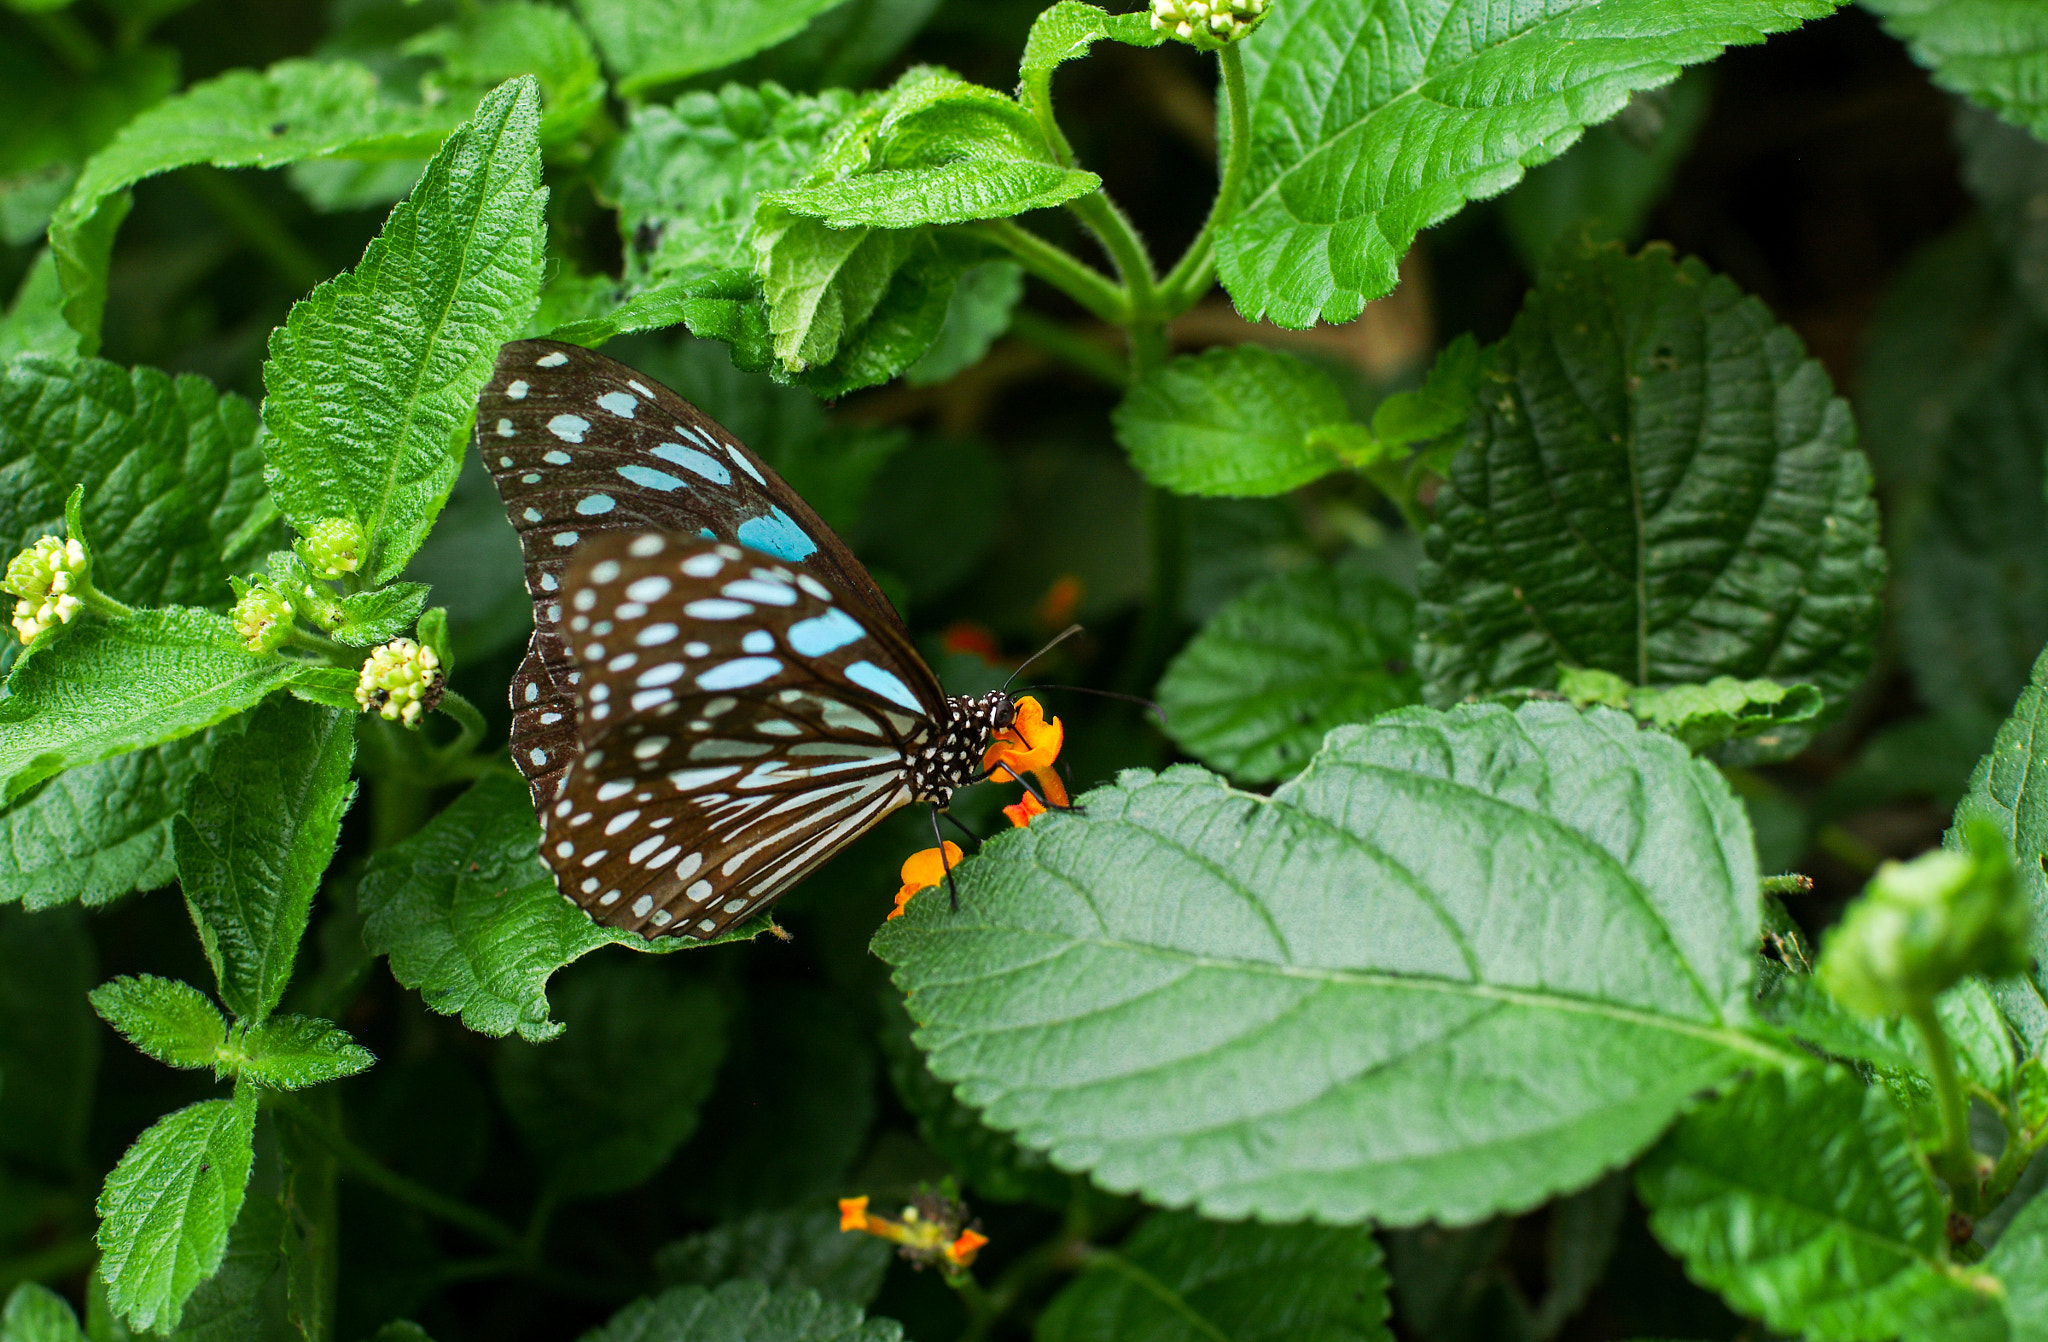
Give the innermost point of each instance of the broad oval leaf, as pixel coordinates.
(372, 380)
(1991, 52)
(1235, 421)
(744, 1311)
(653, 42)
(38, 1314)
(1463, 962)
(173, 1022)
(1372, 120)
(1659, 483)
(1253, 693)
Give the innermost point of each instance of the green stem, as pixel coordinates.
(253, 222)
(466, 716)
(1146, 319)
(1954, 1160)
(981, 1310)
(99, 603)
(1192, 274)
(334, 652)
(1390, 479)
(1060, 268)
(1159, 622)
(382, 1177)
(1070, 347)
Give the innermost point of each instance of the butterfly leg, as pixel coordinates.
(952, 886)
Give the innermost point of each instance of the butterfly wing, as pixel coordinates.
(741, 721)
(581, 445)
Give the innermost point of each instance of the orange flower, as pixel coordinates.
(1024, 811)
(923, 869)
(962, 1250)
(974, 639)
(853, 1213)
(933, 1231)
(1056, 608)
(1029, 745)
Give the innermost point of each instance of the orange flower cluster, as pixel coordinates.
(1028, 745)
(930, 1231)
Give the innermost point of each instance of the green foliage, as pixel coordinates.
(791, 1250)
(1253, 693)
(172, 1022)
(34, 1314)
(1991, 53)
(744, 1310)
(1706, 714)
(486, 46)
(1241, 421)
(373, 379)
(648, 43)
(1200, 928)
(1339, 185)
(1586, 524)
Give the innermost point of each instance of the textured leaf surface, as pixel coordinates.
(258, 830)
(487, 46)
(1707, 714)
(2010, 788)
(173, 1022)
(798, 1249)
(1063, 32)
(373, 378)
(1235, 420)
(1371, 121)
(1991, 52)
(94, 833)
(1800, 1199)
(243, 119)
(1254, 691)
(1462, 962)
(35, 323)
(1179, 1278)
(167, 1207)
(97, 688)
(743, 1311)
(651, 42)
(174, 493)
(1659, 484)
(976, 315)
(37, 1314)
(605, 1106)
(472, 920)
(2017, 1310)
(292, 1052)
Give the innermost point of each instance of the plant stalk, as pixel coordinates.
(1060, 268)
(1954, 1159)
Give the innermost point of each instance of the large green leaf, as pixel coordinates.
(1993, 52)
(802, 1248)
(1373, 119)
(1254, 691)
(97, 688)
(486, 46)
(2010, 788)
(1800, 1198)
(167, 1208)
(1536, 921)
(243, 119)
(258, 831)
(743, 1311)
(605, 1106)
(653, 42)
(1659, 484)
(373, 378)
(1179, 1278)
(37, 1314)
(472, 920)
(174, 493)
(1242, 420)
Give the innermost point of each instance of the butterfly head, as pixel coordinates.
(954, 757)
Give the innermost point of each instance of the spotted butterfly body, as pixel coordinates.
(716, 697)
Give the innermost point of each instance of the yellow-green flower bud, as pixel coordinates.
(333, 547)
(401, 681)
(263, 617)
(1920, 926)
(47, 576)
(1208, 24)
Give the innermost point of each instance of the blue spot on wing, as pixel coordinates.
(690, 459)
(824, 633)
(776, 534)
(648, 478)
(885, 683)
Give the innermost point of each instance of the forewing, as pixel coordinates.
(741, 722)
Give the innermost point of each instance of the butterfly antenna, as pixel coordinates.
(1148, 705)
(1058, 639)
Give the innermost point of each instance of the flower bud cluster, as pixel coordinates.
(402, 681)
(47, 576)
(263, 616)
(1208, 24)
(934, 1230)
(333, 547)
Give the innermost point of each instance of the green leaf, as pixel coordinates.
(1064, 32)
(1993, 53)
(472, 920)
(783, 1250)
(37, 1314)
(2008, 789)
(1452, 105)
(846, 45)
(96, 688)
(94, 833)
(1149, 989)
(173, 1022)
(293, 1052)
(294, 110)
(373, 378)
(847, 308)
(2017, 1309)
(49, 1044)
(607, 1105)
(167, 1207)
(1179, 1278)
(1799, 1197)
(379, 615)
(174, 480)
(2006, 169)
(744, 1311)
(484, 47)
(976, 316)
(258, 831)
(653, 42)
(57, 114)
(1432, 418)
(1253, 693)
(1235, 420)
(1659, 485)
(1710, 714)
(35, 319)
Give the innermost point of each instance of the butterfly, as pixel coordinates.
(717, 697)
